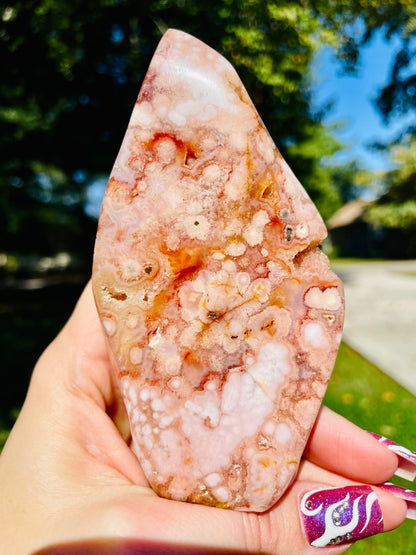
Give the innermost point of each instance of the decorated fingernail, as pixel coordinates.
(407, 494)
(407, 458)
(340, 515)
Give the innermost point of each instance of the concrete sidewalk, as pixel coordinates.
(380, 321)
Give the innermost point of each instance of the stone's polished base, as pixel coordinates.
(223, 316)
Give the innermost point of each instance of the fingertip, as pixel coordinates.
(394, 509)
(340, 446)
(84, 304)
(377, 464)
(343, 515)
(406, 458)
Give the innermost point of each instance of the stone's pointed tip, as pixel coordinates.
(173, 33)
(176, 36)
(182, 47)
(223, 317)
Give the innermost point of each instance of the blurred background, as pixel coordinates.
(335, 83)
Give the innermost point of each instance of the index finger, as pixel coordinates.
(340, 446)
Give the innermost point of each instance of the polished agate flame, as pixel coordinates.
(222, 314)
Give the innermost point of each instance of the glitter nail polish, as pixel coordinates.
(340, 515)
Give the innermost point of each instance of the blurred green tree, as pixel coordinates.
(71, 70)
(396, 208)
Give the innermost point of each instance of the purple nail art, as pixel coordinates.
(407, 458)
(340, 515)
(407, 494)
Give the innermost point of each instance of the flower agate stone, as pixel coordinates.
(222, 314)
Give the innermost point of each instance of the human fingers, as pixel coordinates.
(345, 514)
(284, 530)
(78, 365)
(85, 359)
(338, 445)
(310, 472)
(147, 523)
(329, 428)
(65, 447)
(72, 446)
(74, 397)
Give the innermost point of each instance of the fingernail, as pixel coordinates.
(340, 515)
(407, 494)
(407, 458)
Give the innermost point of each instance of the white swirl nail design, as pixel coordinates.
(340, 515)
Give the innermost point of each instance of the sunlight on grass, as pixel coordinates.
(362, 393)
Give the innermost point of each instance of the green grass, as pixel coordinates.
(370, 398)
(362, 393)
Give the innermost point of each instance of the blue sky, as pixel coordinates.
(353, 96)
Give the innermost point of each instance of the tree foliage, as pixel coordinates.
(397, 207)
(356, 22)
(71, 71)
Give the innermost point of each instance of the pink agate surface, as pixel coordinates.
(222, 314)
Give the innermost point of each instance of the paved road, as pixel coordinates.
(380, 320)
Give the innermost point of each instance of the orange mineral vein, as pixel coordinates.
(222, 314)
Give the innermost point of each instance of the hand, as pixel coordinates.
(70, 480)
